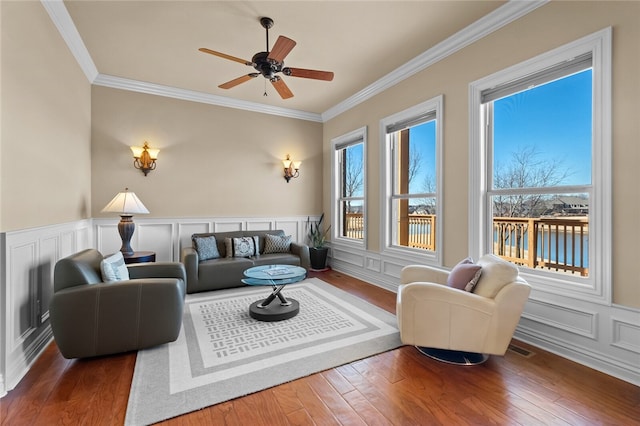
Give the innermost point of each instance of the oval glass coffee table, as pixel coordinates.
(276, 276)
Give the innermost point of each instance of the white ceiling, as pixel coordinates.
(360, 41)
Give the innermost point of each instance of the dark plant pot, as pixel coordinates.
(318, 257)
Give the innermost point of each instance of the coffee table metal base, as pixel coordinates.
(274, 311)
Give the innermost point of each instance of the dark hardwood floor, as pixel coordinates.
(400, 387)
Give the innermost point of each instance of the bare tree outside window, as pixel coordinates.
(351, 198)
(353, 177)
(527, 168)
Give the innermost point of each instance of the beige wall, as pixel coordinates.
(226, 162)
(213, 161)
(546, 28)
(45, 169)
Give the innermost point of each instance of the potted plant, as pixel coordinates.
(317, 239)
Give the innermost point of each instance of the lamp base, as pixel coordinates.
(126, 227)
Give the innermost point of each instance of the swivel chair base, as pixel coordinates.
(453, 357)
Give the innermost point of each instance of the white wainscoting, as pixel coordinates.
(27, 259)
(606, 338)
(168, 236)
(603, 337)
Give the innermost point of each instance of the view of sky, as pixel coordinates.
(422, 139)
(555, 119)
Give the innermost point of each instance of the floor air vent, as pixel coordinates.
(521, 351)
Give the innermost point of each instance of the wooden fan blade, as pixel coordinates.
(225, 56)
(281, 49)
(304, 73)
(236, 81)
(281, 88)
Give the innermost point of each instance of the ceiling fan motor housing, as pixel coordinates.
(266, 67)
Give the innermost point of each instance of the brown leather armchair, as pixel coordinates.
(90, 317)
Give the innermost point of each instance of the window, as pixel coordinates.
(349, 187)
(540, 148)
(412, 205)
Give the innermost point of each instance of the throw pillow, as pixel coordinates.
(113, 268)
(242, 246)
(465, 275)
(277, 243)
(207, 247)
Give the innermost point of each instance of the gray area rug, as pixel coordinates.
(222, 353)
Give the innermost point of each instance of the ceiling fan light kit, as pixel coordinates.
(270, 63)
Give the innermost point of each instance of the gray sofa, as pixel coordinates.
(227, 272)
(90, 317)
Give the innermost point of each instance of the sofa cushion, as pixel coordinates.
(277, 244)
(206, 247)
(277, 259)
(242, 246)
(496, 273)
(465, 275)
(223, 272)
(113, 268)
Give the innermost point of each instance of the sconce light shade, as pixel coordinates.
(145, 157)
(291, 168)
(126, 204)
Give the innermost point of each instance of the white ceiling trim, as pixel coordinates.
(205, 98)
(481, 28)
(495, 20)
(67, 29)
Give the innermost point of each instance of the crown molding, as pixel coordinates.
(205, 98)
(484, 26)
(512, 10)
(67, 29)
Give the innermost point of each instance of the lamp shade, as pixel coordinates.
(126, 203)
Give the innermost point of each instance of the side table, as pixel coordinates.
(141, 257)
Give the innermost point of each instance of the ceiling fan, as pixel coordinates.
(270, 63)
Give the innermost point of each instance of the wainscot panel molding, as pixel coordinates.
(600, 336)
(168, 236)
(27, 259)
(603, 337)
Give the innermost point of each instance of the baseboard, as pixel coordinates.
(3, 388)
(597, 361)
(22, 362)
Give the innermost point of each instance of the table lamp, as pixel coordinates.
(126, 204)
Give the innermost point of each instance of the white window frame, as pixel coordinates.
(597, 286)
(387, 179)
(337, 144)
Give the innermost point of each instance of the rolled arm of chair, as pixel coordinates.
(116, 317)
(423, 273)
(510, 303)
(190, 259)
(302, 250)
(434, 315)
(157, 270)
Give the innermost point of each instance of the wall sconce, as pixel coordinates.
(145, 158)
(291, 168)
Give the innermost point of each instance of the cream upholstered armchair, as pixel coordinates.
(459, 326)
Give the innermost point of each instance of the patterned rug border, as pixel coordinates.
(150, 399)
